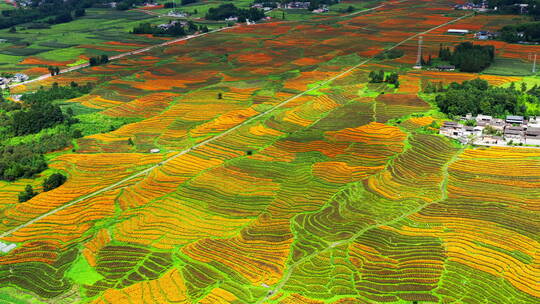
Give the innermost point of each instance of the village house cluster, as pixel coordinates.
(483, 7)
(488, 131)
(479, 7)
(300, 5)
(6, 81)
(167, 26)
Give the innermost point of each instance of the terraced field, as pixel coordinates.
(282, 177)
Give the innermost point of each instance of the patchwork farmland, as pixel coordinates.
(282, 175)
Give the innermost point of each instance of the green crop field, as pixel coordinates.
(259, 164)
(510, 67)
(67, 42)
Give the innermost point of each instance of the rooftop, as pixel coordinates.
(514, 117)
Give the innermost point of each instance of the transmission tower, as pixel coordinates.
(419, 56)
(534, 64)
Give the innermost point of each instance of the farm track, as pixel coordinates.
(205, 142)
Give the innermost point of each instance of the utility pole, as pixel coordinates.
(419, 56)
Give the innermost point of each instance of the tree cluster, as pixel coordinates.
(127, 4)
(43, 95)
(529, 31)
(391, 54)
(27, 194)
(478, 97)
(98, 60)
(315, 4)
(468, 57)
(433, 87)
(54, 70)
(175, 29)
(186, 2)
(20, 161)
(381, 76)
(54, 181)
(512, 7)
(52, 11)
(36, 112)
(225, 11)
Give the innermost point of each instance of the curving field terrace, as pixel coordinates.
(301, 184)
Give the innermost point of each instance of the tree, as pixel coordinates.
(103, 59)
(350, 9)
(80, 12)
(192, 27)
(523, 87)
(54, 181)
(392, 78)
(186, 2)
(376, 77)
(440, 87)
(13, 29)
(219, 96)
(56, 70)
(62, 18)
(27, 194)
(76, 133)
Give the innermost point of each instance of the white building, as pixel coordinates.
(457, 31)
(19, 77)
(5, 248)
(483, 118)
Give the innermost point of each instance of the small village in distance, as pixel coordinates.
(485, 130)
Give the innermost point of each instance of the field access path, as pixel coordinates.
(207, 141)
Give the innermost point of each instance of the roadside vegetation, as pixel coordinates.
(479, 97)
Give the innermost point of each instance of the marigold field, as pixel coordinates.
(265, 193)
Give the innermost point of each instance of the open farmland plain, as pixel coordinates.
(283, 177)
